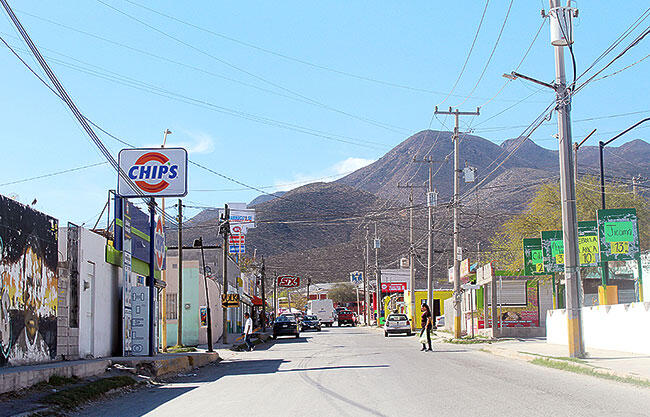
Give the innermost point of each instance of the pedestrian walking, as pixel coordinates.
(248, 330)
(427, 326)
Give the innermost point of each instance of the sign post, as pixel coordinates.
(151, 172)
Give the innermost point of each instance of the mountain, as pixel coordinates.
(319, 230)
(263, 198)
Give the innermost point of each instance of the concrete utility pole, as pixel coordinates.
(225, 231)
(366, 255)
(263, 277)
(179, 332)
(377, 276)
(163, 309)
(432, 201)
(560, 18)
(456, 203)
(411, 252)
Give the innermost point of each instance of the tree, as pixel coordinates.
(544, 212)
(343, 293)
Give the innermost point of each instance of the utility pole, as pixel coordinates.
(263, 276)
(560, 18)
(179, 333)
(456, 203)
(366, 255)
(377, 275)
(199, 243)
(576, 147)
(432, 201)
(411, 252)
(225, 231)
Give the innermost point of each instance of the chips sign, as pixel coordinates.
(229, 300)
(152, 172)
(533, 257)
(618, 234)
(288, 281)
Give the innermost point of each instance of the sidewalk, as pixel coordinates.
(13, 378)
(621, 364)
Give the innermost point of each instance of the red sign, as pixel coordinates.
(287, 281)
(393, 286)
(159, 244)
(237, 239)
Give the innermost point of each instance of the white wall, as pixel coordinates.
(99, 295)
(622, 327)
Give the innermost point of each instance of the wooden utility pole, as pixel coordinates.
(411, 252)
(263, 276)
(179, 332)
(456, 203)
(377, 275)
(366, 256)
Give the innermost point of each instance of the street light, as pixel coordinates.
(198, 243)
(601, 147)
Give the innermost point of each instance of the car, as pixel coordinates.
(440, 321)
(346, 317)
(285, 325)
(310, 322)
(397, 323)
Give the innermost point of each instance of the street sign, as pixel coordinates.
(159, 244)
(432, 199)
(588, 243)
(229, 300)
(484, 274)
(288, 281)
(236, 249)
(152, 172)
(618, 234)
(356, 277)
(533, 257)
(237, 239)
(553, 250)
(459, 253)
(377, 243)
(464, 268)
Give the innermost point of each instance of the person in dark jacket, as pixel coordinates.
(427, 326)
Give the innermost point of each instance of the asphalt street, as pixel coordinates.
(359, 372)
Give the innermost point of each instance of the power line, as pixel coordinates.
(52, 174)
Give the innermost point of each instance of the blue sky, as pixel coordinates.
(371, 75)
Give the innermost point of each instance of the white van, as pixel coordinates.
(323, 309)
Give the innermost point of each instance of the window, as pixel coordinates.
(172, 306)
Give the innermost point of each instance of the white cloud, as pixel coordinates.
(331, 173)
(199, 142)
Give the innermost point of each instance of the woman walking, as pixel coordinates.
(427, 326)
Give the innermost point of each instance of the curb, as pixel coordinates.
(505, 353)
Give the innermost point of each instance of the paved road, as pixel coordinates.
(358, 372)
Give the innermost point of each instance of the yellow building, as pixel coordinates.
(437, 309)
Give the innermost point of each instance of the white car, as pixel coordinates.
(397, 323)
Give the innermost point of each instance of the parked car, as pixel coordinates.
(285, 325)
(346, 317)
(397, 323)
(440, 322)
(310, 322)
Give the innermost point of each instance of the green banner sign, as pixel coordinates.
(533, 257)
(588, 243)
(553, 250)
(618, 234)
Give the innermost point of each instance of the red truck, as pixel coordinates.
(346, 317)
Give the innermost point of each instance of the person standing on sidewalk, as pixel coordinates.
(248, 330)
(427, 326)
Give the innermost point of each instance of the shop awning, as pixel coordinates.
(257, 301)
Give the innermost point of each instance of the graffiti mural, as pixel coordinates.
(28, 294)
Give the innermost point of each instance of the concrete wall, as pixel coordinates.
(622, 327)
(190, 302)
(214, 292)
(99, 296)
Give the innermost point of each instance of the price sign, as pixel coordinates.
(533, 257)
(618, 234)
(553, 250)
(288, 281)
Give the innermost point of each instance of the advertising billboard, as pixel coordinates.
(152, 172)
